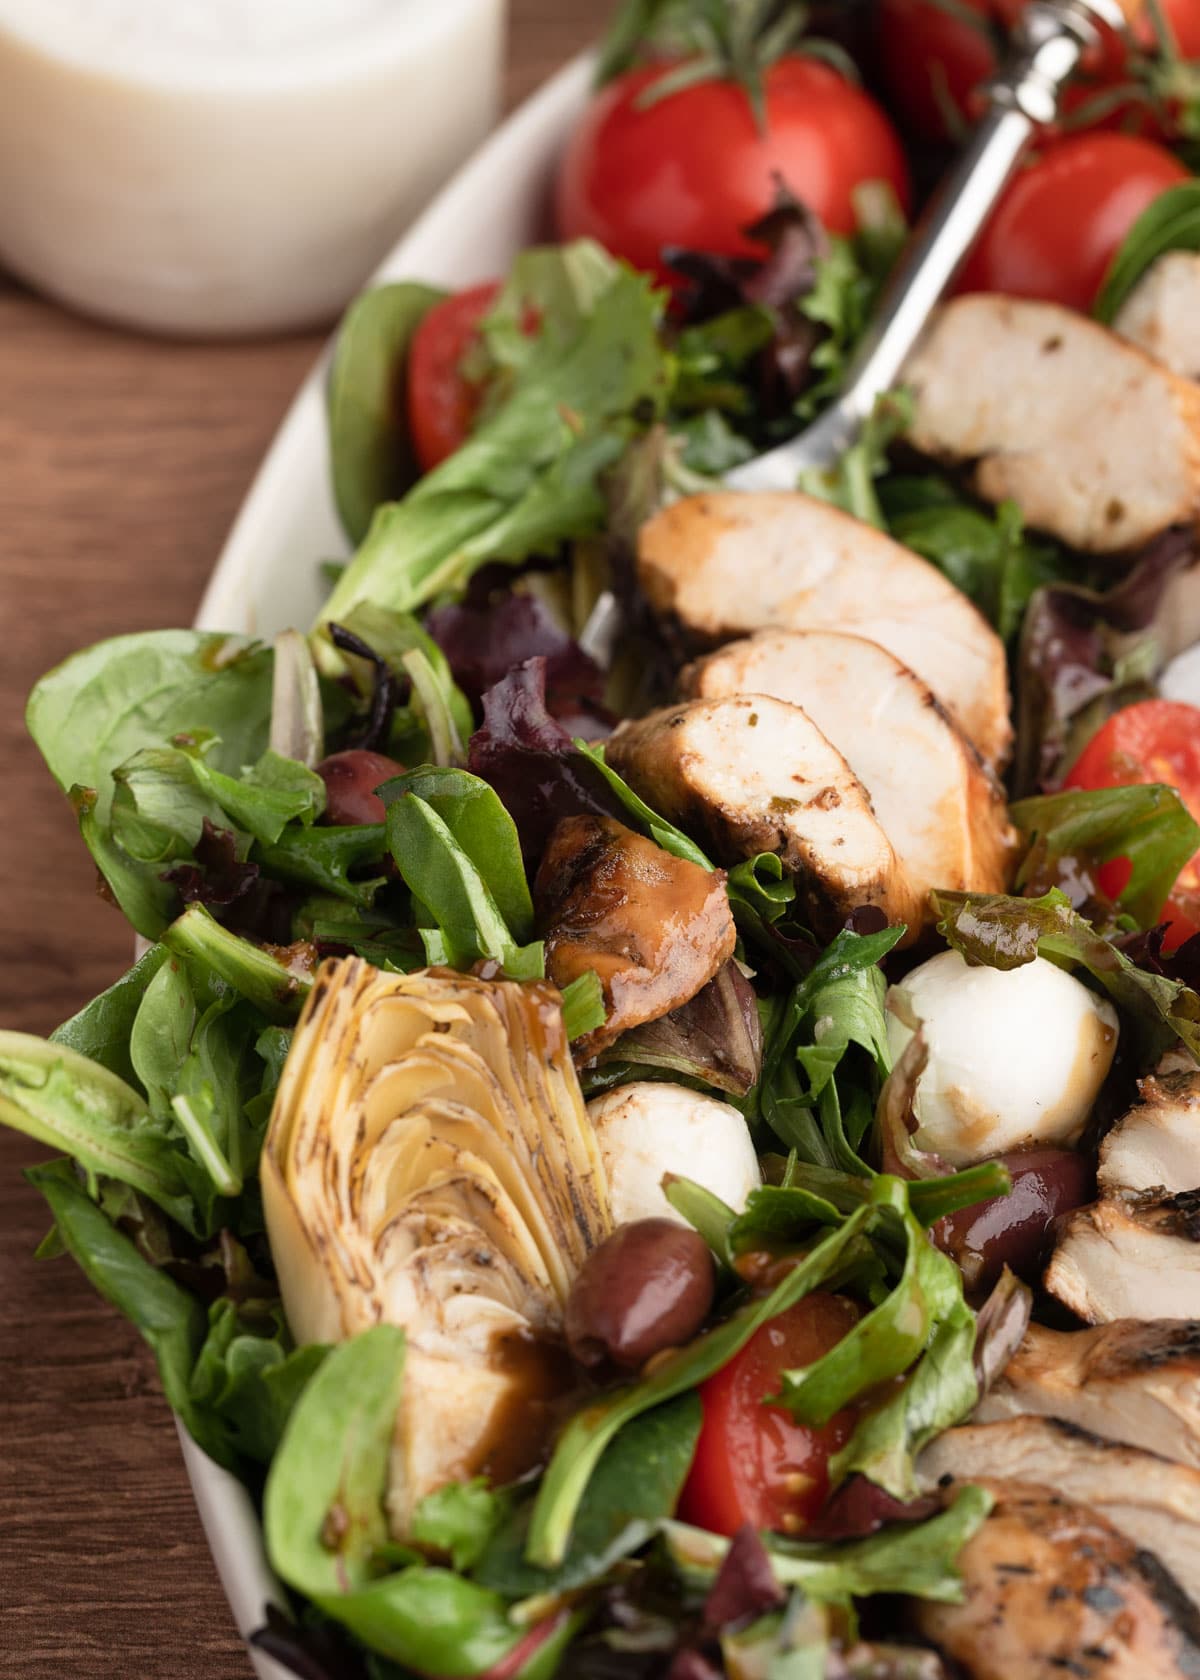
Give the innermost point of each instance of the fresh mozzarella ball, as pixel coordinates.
(1181, 679)
(649, 1128)
(1016, 1056)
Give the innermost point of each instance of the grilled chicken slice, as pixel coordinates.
(1053, 1590)
(1092, 439)
(1129, 1257)
(654, 928)
(753, 774)
(724, 563)
(1156, 1146)
(943, 813)
(1161, 315)
(1153, 1501)
(1133, 1381)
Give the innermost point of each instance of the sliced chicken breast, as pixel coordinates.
(1156, 1146)
(1153, 1501)
(1129, 1257)
(1129, 1380)
(725, 563)
(751, 774)
(1161, 315)
(1053, 1590)
(942, 811)
(1092, 439)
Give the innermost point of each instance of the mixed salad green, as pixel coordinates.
(370, 824)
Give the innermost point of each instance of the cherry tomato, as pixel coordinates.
(1152, 741)
(693, 168)
(442, 400)
(1059, 224)
(933, 59)
(754, 1463)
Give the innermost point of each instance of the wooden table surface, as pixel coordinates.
(122, 463)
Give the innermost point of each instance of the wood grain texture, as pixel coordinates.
(122, 463)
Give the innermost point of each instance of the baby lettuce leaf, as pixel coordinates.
(461, 1520)
(57, 1096)
(1148, 824)
(528, 479)
(332, 860)
(917, 1559)
(248, 1377)
(636, 1486)
(275, 988)
(583, 1442)
(1005, 932)
(583, 1004)
(325, 1530)
(94, 711)
(370, 455)
(101, 1029)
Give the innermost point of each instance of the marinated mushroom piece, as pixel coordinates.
(1016, 1057)
(655, 928)
(1152, 1500)
(429, 1163)
(1093, 440)
(1129, 1257)
(1052, 1589)
(725, 563)
(648, 1128)
(1161, 315)
(753, 774)
(943, 812)
(1129, 1380)
(1156, 1146)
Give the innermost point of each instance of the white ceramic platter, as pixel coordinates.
(268, 579)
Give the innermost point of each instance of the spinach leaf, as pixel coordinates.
(57, 1096)
(527, 479)
(370, 455)
(582, 1443)
(467, 925)
(635, 1487)
(325, 1530)
(101, 706)
(1006, 932)
(1170, 223)
(480, 825)
(1148, 824)
(100, 1031)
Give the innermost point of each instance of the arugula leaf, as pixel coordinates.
(370, 456)
(582, 1443)
(94, 711)
(1170, 223)
(916, 1559)
(1148, 824)
(636, 1486)
(1005, 932)
(57, 1096)
(527, 479)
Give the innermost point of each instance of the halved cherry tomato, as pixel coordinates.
(1151, 741)
(442, 400)
(754, 1463)
(1059, 224)
(693, 168)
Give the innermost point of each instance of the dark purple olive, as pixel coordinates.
(1015, 1230)
(647, 1287)
(350, 779)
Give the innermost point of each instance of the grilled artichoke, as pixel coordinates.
(430, 1164)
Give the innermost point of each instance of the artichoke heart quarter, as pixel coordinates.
(430, 1164)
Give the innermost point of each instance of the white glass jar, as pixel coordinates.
(213, 167)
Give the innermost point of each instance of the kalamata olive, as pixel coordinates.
(1015, 1230)
(350, 779)
(647, 1287)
